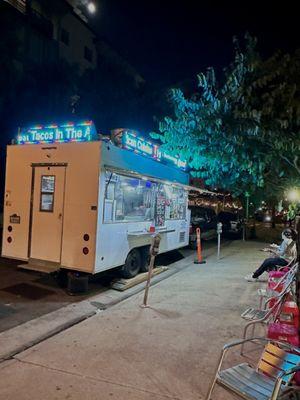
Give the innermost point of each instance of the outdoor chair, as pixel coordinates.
(254, 316)
(285, 281)
(269, 380)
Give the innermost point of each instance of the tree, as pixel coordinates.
(241, 133)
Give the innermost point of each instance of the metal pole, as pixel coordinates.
(247, 194)
(150, 269)
(219, 231)
(154, 249)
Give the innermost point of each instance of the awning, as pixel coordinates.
(149, 177)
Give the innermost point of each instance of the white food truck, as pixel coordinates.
(76, 203)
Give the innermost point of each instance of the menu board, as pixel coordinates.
(160, 210)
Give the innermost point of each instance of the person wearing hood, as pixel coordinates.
(283, 255)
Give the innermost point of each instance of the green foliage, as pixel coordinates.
(294, 209)
(242, 133)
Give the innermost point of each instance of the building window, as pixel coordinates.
(88, 54)
(65, 37)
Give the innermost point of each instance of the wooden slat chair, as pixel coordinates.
(286, 281)
(269, 380)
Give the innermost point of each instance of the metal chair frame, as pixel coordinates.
(265, 316)
(288, 278)
(280, 387)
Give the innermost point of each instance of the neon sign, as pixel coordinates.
(139, 145)
(132, 142)
(69, 132)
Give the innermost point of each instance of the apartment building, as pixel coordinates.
(52, 30)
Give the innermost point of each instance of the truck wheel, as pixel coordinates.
(132, 264)
(145, 259)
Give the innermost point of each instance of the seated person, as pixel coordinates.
(283, 254)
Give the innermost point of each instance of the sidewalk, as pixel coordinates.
(168, 351)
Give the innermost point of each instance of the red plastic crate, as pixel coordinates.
(289, 314)
(284, 333)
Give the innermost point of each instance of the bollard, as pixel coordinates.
(199, 249)
(153, 253)
(219, 231)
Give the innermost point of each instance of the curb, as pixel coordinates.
(30, 333)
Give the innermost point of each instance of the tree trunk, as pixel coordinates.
(273, 217)
(297, 226)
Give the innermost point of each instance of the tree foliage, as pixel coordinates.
(242, 132)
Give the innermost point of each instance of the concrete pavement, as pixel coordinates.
(35, 330)
(168, 351)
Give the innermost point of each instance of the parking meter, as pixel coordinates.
(219, 227)
(154, 249)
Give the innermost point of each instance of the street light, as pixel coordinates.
(293, 195)
(91, 7)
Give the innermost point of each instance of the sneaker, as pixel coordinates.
(250, 278)
(262, 279)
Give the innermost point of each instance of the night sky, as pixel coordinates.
(168, 41)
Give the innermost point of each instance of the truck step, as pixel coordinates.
(124, 284)
(41, 266)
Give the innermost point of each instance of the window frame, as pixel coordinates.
(43, 192)
(153, 181)
(110, 181)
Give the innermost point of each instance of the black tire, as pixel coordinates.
(132, 264)
(145, 259)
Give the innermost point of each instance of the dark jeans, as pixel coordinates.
(270, 264)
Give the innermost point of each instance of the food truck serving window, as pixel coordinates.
(47, 193)
(133, 199)
(128, 199)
